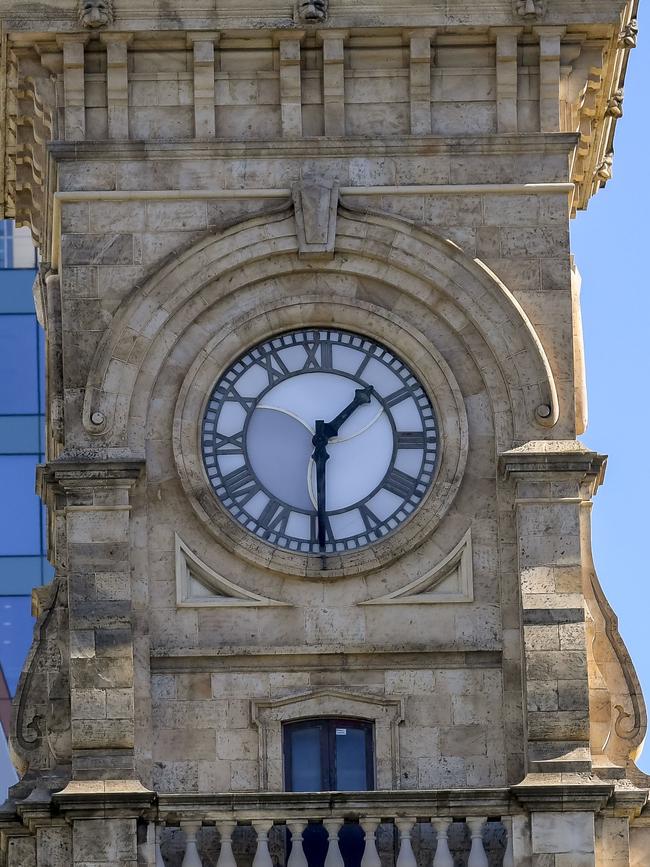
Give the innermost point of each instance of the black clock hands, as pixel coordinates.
(320, 458)
(324, 431)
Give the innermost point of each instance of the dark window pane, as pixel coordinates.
(19, 513)
(18, 365)
(305, 746)
(351, 768)
(16, 625)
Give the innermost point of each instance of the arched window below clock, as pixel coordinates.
(328, 754)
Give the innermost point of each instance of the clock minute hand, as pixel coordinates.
(361, 396)
(320, 458)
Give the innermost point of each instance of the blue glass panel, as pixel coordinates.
(20, 434)
(306, 760)
(18, 365)
(16, 625)
(20, 512)
(47, 571)
(6, 243)
(351, 773)
(19, 574)
(16, 290)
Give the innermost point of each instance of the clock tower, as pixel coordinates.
(317, 503)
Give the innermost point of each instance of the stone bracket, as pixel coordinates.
(315, 204)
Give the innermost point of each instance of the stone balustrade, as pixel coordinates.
(339, 837)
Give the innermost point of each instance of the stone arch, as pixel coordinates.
(414, 261)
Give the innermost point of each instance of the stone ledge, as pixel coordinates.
(553, 457)
(558, 793)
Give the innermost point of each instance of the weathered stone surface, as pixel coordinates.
(223, 176)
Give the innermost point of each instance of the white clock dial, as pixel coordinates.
(319, 441)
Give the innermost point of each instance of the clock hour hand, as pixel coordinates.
(361, 396)
(320, 458)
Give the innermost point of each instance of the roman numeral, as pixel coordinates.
(274, 373)
(241, 484)
(400, 484)
(229, 445)
(397, 396)
(410, 439)
(312, 362)
(230, 393)
(370, 520)
(274, 517)
(329, 535)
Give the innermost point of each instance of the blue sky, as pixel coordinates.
(611, 242)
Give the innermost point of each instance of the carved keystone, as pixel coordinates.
(315, 203)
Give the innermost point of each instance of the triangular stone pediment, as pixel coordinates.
(198, 585)
(451, 580)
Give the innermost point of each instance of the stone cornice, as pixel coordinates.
(484, 145)
(63, 475)
(552, 457)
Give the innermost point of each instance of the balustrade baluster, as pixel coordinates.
(262, 855)
(443, 857)
(509, 857)
(158, 830)
(297, 857)
(477, 856)
(406, 858)
(191, 857)
(370, 853)
(334, 857)
(226, 857)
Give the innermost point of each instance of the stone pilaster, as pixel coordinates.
(290, 85)
(551, 481)
(73, 46)
(549, 77)
(204, 93)
(506, 41)
(333, 81)
(117, 84)
(97, 516)
(420, 80)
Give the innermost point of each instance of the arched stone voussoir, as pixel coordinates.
(412, 260)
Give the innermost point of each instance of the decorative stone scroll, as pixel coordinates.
(95, 13)
(629, 34)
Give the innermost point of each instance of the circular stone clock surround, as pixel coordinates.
(377, 324)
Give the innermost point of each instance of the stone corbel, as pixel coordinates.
(315, 204)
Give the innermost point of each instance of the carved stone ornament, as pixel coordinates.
(529, 9)
(615, 104)
(312, 11)
(628, 35)
(604, 170)
(95, 13)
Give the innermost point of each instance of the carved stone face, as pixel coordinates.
(313, 10)
(95, 13)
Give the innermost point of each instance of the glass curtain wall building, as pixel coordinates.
(23, 564)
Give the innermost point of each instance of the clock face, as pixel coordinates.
(319, 441)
